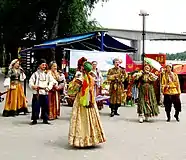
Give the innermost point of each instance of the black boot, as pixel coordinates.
(34, 122)
(168, 116)
(177, 116)
(112, 112)
(46, 122)
(116, 113)
(116, 110)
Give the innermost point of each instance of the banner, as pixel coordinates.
(130, 65)
(161, 58)
(104, 59)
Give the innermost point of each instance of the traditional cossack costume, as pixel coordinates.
(41, 83)
(116, 76)
(15, 100)
(171, 91)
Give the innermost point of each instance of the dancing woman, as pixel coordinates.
(85, 125)
(147, 104)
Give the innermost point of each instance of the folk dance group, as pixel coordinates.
(85, 126)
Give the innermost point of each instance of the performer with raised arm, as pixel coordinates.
(147, 104)
(15, 100)
(54, 94)
(85, 126)
(116, 76)
(171, 91)
(41, 83)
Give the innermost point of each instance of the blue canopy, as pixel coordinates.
(64, 41)
(87, 41)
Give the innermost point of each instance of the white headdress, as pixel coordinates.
(169, 64)
(12, 63)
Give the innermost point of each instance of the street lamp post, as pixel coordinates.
(143, 14)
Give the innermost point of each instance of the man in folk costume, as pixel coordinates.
(40, 82)
(171, 90)
(116, 76)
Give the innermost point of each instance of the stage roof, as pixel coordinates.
(86, 41)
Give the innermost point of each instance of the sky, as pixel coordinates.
(164, 16)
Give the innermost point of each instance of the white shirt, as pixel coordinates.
(98, 77)
(43, 80)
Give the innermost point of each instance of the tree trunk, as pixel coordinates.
(54, 31)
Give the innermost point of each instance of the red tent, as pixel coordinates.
(180, 69)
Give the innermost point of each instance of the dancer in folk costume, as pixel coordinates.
(116, 76)
(129, 90)
(147, 104)
(98, 79)
(15, 100)
(85, 125)
(162, 72)
(41, 83)
(54, 94)
(171, 91)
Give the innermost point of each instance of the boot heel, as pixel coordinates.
(168, 117)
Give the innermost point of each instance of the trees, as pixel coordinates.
(177, 56)
(40, 20)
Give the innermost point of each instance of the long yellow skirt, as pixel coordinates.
(85, 126)
(15, 101)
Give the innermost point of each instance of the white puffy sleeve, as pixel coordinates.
(51, 81)
(22, 76)
(6, 82)
(32, 80)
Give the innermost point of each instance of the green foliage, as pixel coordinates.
(177, 56)
(41, 20)
(28, 17)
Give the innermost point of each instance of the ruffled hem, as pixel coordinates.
(86, 142)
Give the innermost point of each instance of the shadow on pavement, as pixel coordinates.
(63, 143)
(64, 118)
(104, 114)
(17, 123)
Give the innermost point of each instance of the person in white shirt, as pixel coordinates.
(40, 82)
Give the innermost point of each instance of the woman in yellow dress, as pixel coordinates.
(85, 126)
(15, 100)
(54, 94)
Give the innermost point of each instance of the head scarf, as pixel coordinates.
(51, 63)
(12, 63)
(170, 65)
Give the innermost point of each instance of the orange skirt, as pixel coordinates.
(54, 104)
(15, 101)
